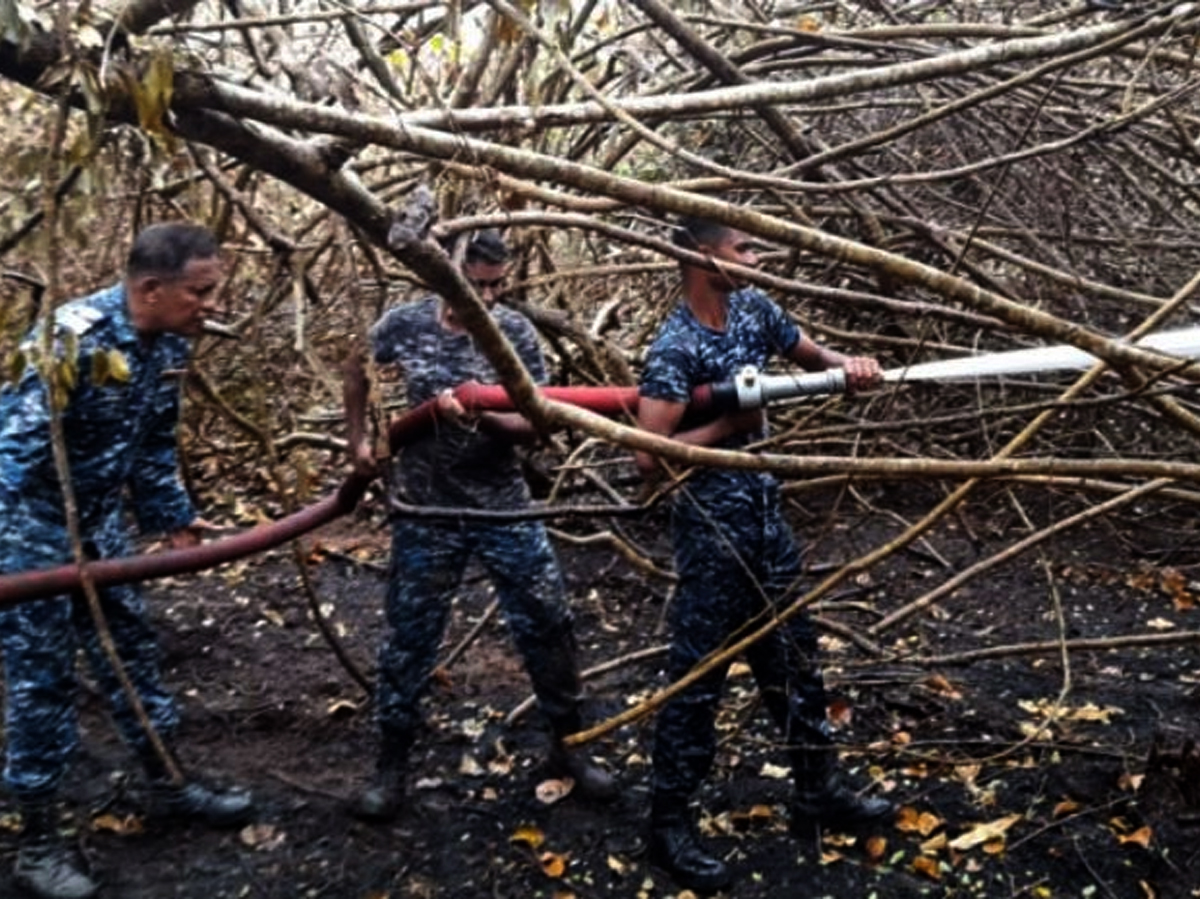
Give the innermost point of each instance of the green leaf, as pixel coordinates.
(152, 95)
(99, 368)
(70, 347)
(17, 363)
(67, 372)
(118, 366)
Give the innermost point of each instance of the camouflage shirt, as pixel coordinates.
(456, 466)
(119, 433)
(686, 354)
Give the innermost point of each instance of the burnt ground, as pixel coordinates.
(1074, 809)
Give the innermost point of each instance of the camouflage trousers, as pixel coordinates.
(427, 566)
(736, 559)
(40, 641)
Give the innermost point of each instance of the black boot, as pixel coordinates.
(591, 781)
(46, 865)
(675, 847)
(191, 800)
(823, 799)
(382, 799)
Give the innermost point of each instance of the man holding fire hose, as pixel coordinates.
(735, 555)
(468, 462)
(119, 412)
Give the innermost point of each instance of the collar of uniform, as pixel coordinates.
(115, 301)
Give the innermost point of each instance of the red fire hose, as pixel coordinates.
(22, 586)
(747, 390)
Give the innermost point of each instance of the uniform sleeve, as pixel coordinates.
(25, 450)
(385, 337)
(669, 370)
(522, 335)
(160, 502)
(781, 329)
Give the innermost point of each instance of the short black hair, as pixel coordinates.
(487, 247)
(165, 249)
(692, 232)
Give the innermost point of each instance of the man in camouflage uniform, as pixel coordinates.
(119, 423)
(735, 555)
(468, 463)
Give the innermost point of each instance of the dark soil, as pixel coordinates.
(267, 705)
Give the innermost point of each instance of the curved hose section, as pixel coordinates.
(23, 586)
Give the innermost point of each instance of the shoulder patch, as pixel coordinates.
(77, 318)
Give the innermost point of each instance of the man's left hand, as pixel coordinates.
(862, 373)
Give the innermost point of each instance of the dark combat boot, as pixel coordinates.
(382, 799)
(675, 847)
(191, 800)
(823, 799)
(46, 865)
(591, 781)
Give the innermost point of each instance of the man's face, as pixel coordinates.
(180, 305)
(735, 247)
(489, 280)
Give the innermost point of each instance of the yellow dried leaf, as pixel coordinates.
(901, 738)
(838, 839)
(923, 865)
(118, 366)
(1035, 731)
(529, 835)
(968, 773)
(1174, 584)
(99, 368)
(985, 832)
(934, 844)
(756, 815)
(1130, 782)
(1141, 837)
(808, 24)
(909, 819)
(941, 685)
(994, 848)
(876, 847)
(1065, 808)
(17, 362)
(617, 865)
(553, 864)
(1090, 712)
(117, 824)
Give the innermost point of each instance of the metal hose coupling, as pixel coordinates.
(753, 389)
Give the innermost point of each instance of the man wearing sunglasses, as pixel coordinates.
(468, 463)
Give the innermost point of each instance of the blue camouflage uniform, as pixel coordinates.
(118, 434)
(460, 467)
(735, 555)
